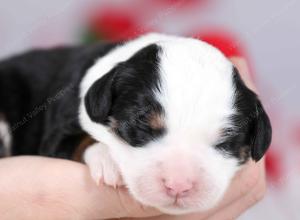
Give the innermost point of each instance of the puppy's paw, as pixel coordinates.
(103, 169)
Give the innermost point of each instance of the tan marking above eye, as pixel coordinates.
(156, 120)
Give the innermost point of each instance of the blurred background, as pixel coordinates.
(266, 32)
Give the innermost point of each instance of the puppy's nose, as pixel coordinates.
(178, 188)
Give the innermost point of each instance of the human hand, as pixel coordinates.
(46, 188)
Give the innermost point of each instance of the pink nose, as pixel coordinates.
(181, 188)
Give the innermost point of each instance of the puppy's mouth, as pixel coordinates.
(176, 209)
(178, 206)
(178, 203)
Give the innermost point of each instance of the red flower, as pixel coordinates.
(274, 166)
(224, 41)
(115, 25)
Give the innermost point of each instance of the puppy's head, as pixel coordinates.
(178, 119)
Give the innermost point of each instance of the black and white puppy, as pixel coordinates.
(171, 116)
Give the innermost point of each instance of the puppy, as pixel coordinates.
(170, 116)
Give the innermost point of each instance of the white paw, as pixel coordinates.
(103, 169)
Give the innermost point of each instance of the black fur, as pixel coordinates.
(39, 98)
(252, 133)
(125, 95)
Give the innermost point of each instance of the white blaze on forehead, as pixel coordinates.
(197, 88)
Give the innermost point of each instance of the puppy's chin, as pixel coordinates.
(199, 201)
(175, 210)
(184, 207)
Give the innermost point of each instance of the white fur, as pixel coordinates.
(102, 167)
(197, 95)
(5, 137)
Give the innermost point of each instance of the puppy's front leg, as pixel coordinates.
(102, 167)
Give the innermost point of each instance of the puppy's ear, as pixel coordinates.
(261, 132)
(98, 100)
(254, 117)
